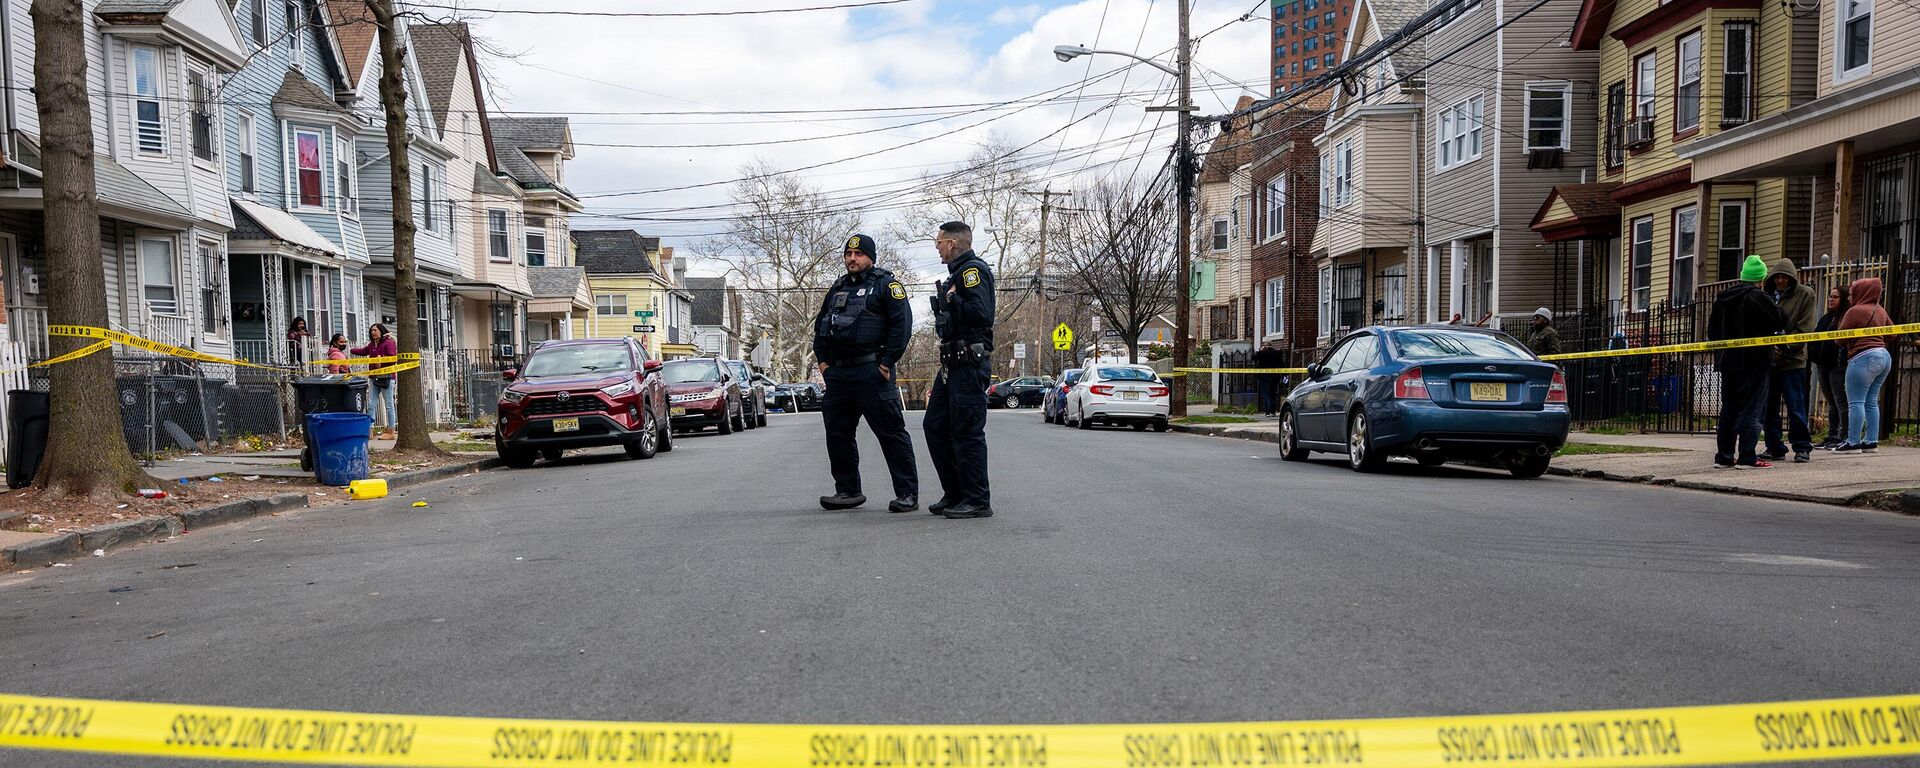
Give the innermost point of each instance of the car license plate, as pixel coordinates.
(1130, 395)
(676, 411)
(1487, 391)
(566, 425)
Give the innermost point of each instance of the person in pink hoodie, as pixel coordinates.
(1868, 364)
(380, 401)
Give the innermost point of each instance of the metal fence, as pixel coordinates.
(168, 404)
(1242, 390)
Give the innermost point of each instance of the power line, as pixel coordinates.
(656, 14)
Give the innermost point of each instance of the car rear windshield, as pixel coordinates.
(740, 372)
(1431, 343)
(1071, 376)
(686, 371)
(1127, 374)
(579, 360)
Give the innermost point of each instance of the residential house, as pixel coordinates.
(717, 317)
(631, 290)
(1676, 72)
(678, 325)
(1502, 129)
(1371, 161)
(1860, 137)
(1283, 222)
(531, 155)
(154, 68)
(1222, 249)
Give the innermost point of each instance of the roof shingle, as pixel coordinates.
(353, 26)
(554, 282)
(297, 91)
(709, 300)
(615, 251)
(439, 48)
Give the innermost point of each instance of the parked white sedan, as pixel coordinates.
(1118, 394)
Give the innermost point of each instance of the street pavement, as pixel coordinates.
(1126, 577)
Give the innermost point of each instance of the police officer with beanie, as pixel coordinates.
(858, 337)
(956, 422)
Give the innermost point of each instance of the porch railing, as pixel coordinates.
(28, 327)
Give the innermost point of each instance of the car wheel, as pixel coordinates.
(1013, 401)
(1290, 449)
(747, 422)
(1527, 464)
(551, 454)
(725, 426)
(647, 444)
(761, 420)
(1430, 459)
(518, 458)
(1360, 454)
(1159, 426)
(666, 435)
(1139, 426)
(1085, 422)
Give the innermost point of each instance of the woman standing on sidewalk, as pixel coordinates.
(1868, 364)
(380, 401)
(1830, 370)
(337, 350)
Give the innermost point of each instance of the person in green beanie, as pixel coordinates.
(1743, 311)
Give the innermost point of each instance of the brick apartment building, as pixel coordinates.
(1308, 36)
(1285, 178)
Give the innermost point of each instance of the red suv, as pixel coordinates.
(703, 395)
(581, 394)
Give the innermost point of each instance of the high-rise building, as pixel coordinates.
(1308, 38)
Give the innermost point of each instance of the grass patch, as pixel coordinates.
(464, 446)
(1597, 449)
(1214, 418)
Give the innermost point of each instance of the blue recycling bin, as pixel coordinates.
(338, 442)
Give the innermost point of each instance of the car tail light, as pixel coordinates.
(1101, 389)
(1557, 391)
(1412, 385)
(1157, 391)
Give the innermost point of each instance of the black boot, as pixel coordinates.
(842, 501)
(967, 509)
(941, 505)
(907, 503)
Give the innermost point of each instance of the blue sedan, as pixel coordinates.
(1430, 392)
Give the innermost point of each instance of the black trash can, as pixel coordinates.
(26, 435)
(327, 394)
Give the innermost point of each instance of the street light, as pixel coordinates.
(1071, 52)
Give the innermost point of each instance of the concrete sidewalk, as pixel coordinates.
(283, 463)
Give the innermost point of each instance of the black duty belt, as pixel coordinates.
(848, 362)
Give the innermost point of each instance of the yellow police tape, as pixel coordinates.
(74, 355)
(1796, 731)
(109, 337)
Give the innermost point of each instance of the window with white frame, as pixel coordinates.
(1646, 84)
(345, 184)
(353, 305)
(213, 273)
(1460, 132)
(610, 304)
(1686, 91)
(316, 299)
(249, 171)
(498, 244)
(1640, 257)
(257, 18)
(159, 276)
(1326, 182)
(150, 133)
(430, 179)
(1686, 246)
(200, 115)
(1854, 49)
(296, 37)
(1276, 307)
(1736, 72)
(1549, 107)
(536, 227)
(1342, 173)
(309, 169)
(1276, 224)
(1326, 301)
(1731, 244)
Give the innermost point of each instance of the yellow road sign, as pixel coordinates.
(1062, 337)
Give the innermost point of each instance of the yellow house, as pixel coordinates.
(1671, 73)
(633, 292)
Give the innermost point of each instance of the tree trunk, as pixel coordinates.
(411, 400)
(86, 447)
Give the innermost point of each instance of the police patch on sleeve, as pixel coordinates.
(899, 291)
(971, 277)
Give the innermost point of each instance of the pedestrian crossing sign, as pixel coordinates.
(1063, 337)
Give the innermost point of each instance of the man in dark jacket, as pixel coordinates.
(1743, 312)
(1541, 337)
(1787, 385)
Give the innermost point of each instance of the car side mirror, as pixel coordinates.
(509, 374)
(1316, 371)
(650, 366)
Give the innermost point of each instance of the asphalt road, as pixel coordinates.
(1127, 577)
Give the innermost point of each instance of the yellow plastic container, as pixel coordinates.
(368, 489)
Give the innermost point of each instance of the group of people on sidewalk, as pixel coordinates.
(1758, 383)
(380, 343)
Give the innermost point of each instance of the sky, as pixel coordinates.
(617, 77)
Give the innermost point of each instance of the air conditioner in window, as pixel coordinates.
(1544, 157)
(1637, 133)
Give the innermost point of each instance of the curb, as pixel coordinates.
(1909, 501)
(41, 553)
(1210, 430)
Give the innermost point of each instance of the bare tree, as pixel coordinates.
(1118, 252)
(411, 398)
(86, 449)
(987, 193)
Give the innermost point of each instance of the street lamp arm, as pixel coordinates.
(1071, 52)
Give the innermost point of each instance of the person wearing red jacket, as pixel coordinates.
(1868, 364)
(380, 401)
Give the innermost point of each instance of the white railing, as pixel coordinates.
(170, 329)
(28, 327)
(254, 350)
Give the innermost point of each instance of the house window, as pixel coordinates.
(344, 183)
(430, 176)
(1326, 301)
(1326, 183)
(1393, 294)
(295, 38)
(1220, 238)
(248, 181)
(1352, 283)
(1460, 132)
(1549, 106)
(1312, 64)
(308, 173)
(1641, 257)
(1686, 91)
(353, 304)
(1483, 277)
(422, 315)
(1343, 173)
(1616, 120)
(150, 133)
(1686, 245)
(1646, 71)
(610, 304)
(201, 118)
(1328, 18)
(1736, 73)
(1276, 208)
(1856, 36)
(159, 276)
(1327, 60)
(213, 273)
(1313, 44)
(317, 293)
(503, 317)
(1276, 311)
(497, 243)
(1731, 245)
(258, 18)
(537, 241)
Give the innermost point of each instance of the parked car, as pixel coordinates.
(1053, 409)
(767, 388)
(797, 397)
(1435, 393)
(753, 396)
(580, 394)
(1118, 394)
(1013, 393)
(701, 395)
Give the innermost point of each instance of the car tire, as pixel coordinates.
(517, 458)
(1139, 426)
(761, 420)
(1526, 465)
(648, 443)
(739, 423)
(1360, 453)
(551, 454)
(666, 435)
(1159, 426)
(1085, 422)
(1290, 449)
(1012, 402)
(725, 427)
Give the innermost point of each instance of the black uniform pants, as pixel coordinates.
(857, 391)
(1742, 393)
(956, 426)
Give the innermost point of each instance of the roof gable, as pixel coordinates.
(353, 27)
(615, 251)
(206, 26)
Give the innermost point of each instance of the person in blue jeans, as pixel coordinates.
(1868, 364)
(1787, 384)
(380, 394)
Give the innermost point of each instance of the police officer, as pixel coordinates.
(858, 337)
(956, 422)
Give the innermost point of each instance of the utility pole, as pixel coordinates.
(1046, 195)
(1183, 177)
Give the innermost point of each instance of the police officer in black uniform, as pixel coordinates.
(956, 421)
(858, 337)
